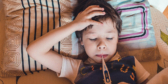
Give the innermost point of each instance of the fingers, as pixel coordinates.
(93, 8)
(94, 22)
(95, 14)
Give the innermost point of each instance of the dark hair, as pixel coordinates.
(110, 13)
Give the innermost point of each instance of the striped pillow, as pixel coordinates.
(27, 20)
(137, 37)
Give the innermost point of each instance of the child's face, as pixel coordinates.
(101, 43)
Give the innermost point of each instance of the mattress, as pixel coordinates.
(48, 76)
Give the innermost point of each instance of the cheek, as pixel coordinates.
(113, 44)
(88, 43)
(89, 47)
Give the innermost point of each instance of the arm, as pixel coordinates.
(141, 73)
(43, 44)
(40, 48)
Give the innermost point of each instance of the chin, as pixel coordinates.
(99, 61)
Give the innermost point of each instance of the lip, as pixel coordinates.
(100, 55)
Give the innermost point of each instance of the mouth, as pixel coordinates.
(100, 55)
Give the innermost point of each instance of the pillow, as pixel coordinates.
(27, 20)
(137, 37)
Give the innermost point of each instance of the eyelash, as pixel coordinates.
(96, 38)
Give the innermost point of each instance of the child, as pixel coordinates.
(97, 25)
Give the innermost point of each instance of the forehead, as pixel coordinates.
(107, 27)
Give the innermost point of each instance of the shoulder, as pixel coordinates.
(141, 73)
(71, 60)
(71, 63)
(70, 68)
(128, 60)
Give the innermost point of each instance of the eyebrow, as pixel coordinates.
(94, 32)
(110, 32)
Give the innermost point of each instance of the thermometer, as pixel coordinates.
(107, 79)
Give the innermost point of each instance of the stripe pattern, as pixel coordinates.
(28, 20)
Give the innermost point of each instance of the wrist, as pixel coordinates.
(72, 25)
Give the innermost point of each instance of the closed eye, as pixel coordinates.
(109, 38)
(96, 39)
(93, 39)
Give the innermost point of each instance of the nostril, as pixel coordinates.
(102, 47)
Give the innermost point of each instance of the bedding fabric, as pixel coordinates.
(27, 20)
(159, 22)
(137, 37)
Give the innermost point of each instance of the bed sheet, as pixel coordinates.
(48, 76)
(160, 78)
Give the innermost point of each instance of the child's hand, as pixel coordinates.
(84, 18)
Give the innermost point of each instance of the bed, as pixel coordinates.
(156, 68)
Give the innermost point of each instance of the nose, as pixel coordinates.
(101, 45)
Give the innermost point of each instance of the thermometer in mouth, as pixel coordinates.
(106, 75)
